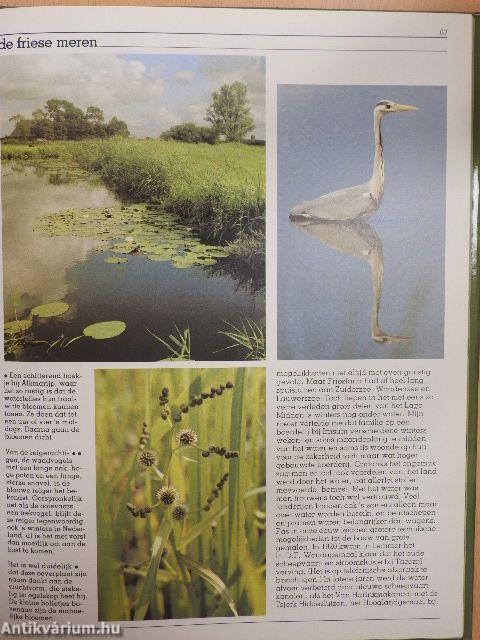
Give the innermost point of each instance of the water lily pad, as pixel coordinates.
(158, 258)
(115, 260)
(16, 326)
(104, 330)
(124, 248)
(50, 310)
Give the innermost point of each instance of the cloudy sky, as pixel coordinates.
(150, 92)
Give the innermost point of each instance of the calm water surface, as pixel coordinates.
(142, 293)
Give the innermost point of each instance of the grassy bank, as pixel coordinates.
(220, 189)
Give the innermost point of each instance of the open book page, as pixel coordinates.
(236, 266)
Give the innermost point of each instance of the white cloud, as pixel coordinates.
(185, 76)
(119, 87)
(127, 88)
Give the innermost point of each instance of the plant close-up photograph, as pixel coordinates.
(181, 496)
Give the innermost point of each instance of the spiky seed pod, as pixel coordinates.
(164, 415)
(199, 401)
(216, 493)
(184, 408)
(227, 455)
(213, 389)
(206, 507)
(147, 458)
(167, 495)
(162, 403)
(211, 448)
(205, 454)
(165, 391)
(187, 437)
(179, 512)
(211, 395)
(218, 391)
(177, 418)
(204, 395)
(229, 385)
(222, 451)
(132, 508)
(144, 425)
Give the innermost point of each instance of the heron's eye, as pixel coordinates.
(388, 106)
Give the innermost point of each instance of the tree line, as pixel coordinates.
(228, 115)
(62, 120)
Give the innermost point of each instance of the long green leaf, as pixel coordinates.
(213, 580)
(236, 511)
(193, 533)
(149, 585)
(112, 595)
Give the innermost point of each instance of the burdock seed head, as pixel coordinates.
(179, 512)
(187, 437)
(167, 495)
(229, 385)
(147, 458)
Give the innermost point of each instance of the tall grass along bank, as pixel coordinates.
(219, 189)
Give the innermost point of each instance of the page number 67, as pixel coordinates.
(443, 33)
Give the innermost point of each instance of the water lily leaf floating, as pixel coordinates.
(104, 330)
(115, 260)
(16, 326)
(50, 310)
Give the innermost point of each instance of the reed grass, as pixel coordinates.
(219, 189)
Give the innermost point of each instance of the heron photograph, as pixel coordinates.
(361, 221)
(133, 207)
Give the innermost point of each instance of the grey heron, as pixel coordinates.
(361, 201)
(359, 239)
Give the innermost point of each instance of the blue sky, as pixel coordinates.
(150, 92)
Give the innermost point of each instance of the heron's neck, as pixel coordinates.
(378, 175)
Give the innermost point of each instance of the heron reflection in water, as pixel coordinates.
(358, 239)
(338, 219)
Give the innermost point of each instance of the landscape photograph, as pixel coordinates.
(133, 207)
(181, 495)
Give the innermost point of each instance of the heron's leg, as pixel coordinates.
(375, 260)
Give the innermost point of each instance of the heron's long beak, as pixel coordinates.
(405, 107)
